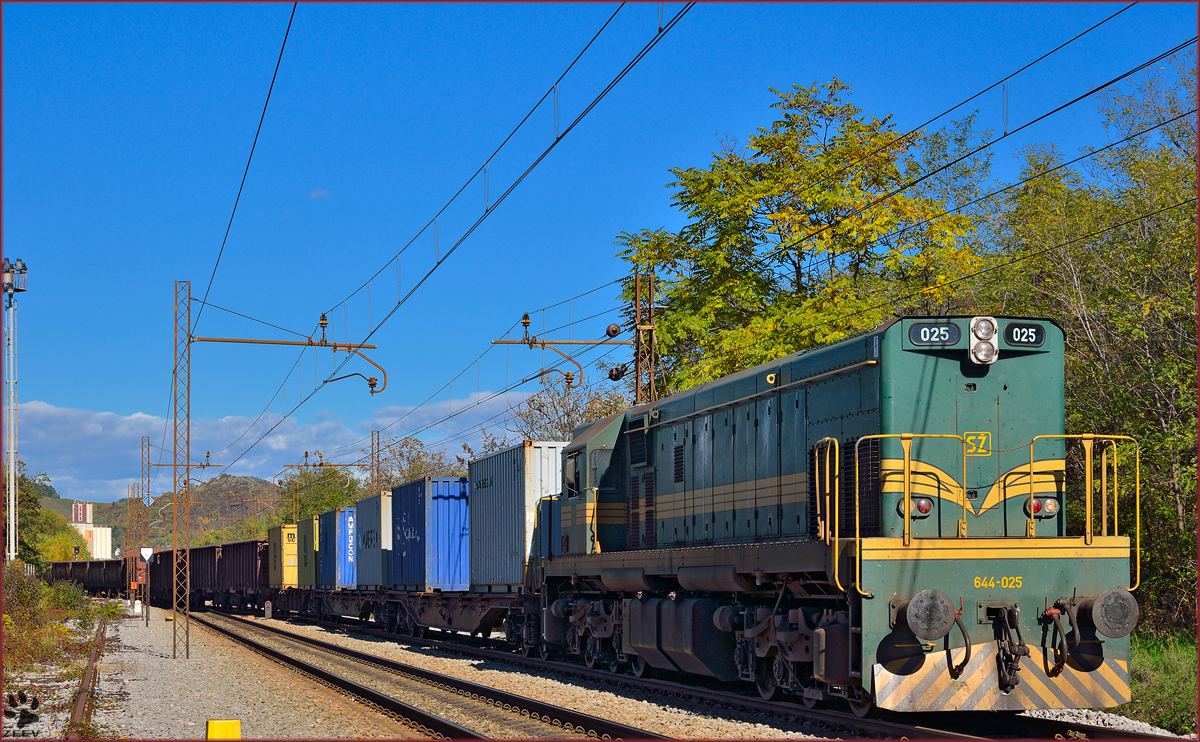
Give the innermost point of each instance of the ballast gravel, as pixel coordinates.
(1099, 718)
(145, 694)
(681, 719)
(478, 716)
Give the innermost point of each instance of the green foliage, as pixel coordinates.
(800, 239)
(312, 490)
(1162, 674)
(36, 633)
(59, 539)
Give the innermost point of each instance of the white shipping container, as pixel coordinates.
(375, 542)
(505, 489)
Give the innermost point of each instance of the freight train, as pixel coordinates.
(897, 520)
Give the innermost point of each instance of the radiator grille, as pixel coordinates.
(633, 524)
(648, 488)
(679, 463)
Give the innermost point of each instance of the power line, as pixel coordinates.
(603, 93)
(957, 106)
(921, 178)
(482, 168)
(247, 170)
(252, 319)
(989, 269)
(1005, 189)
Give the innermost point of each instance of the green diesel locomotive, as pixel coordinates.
(898, 520)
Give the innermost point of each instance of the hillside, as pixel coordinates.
(216, 503)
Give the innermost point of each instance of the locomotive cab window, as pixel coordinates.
(572, 475)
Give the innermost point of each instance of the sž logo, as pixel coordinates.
(23, 708)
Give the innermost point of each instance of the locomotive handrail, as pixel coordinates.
(1088, 441)
(831, 534)
(905, 443)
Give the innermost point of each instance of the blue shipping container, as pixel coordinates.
(430, 549)
(335, 552)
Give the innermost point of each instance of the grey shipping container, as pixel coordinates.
(374, 542)
(505, 489)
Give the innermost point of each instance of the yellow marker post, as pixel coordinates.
(224, 729)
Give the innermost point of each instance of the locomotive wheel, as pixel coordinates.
(420, 632)
(810, 703)
(591, 652)
(546, 652)
(862, 707)
(638, 667)
(764, 681)
(528, 650)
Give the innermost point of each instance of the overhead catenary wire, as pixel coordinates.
(433, 222)
(246, 172)
(595, 101)
(1003, 81)
(999, 191)
(784, 248)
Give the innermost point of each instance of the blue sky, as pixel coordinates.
(127, 127)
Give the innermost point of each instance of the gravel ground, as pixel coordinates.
(145, 694)
(682, 719)
(1100, 719)
(492, 722)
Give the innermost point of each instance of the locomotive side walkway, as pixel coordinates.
(145, 694)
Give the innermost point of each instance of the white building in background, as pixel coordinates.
(99, 538)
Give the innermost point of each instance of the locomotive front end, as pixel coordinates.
(990, 549)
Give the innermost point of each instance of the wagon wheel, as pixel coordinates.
(546, 652)
(420, 632)
(529, 649)
(638, 667)
(616, 666)
(810, 703)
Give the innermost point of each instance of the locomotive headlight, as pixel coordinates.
(984, 352)
(983, 334)
(984, 328)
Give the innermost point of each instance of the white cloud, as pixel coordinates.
(93, 455)
(319, 193)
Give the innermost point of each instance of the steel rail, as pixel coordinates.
(602, 728)
(84, 697)
(423, 720)
(782, 708)
(1027, 727)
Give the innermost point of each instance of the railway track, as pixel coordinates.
(464, 710)
(913, 726)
